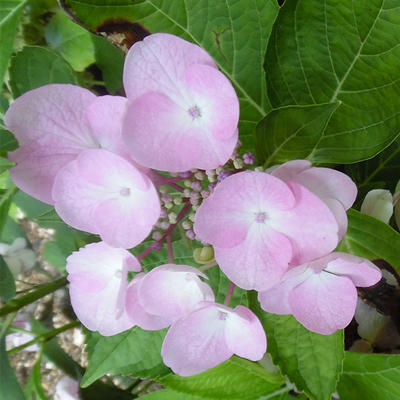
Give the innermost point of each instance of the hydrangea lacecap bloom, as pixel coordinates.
(258, 224)
(322, 294)
(182, 112)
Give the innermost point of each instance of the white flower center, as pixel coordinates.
(222, 315)
(125, 192)
(260, 217)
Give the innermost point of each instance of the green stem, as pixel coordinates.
(44, 337)
(7, 324)
(9, 193)
(41, 291)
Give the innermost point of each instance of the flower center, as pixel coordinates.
(260, 217)
(118, 274)
(222, 315)
(194, 112)
(125, 192)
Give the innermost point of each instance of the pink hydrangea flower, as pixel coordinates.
(98, 281)
(157, 299)
(336, 189)
(182, 112)
(100, 192)
(322, 294)
(53, 124)
(258, 224)
(211, 335)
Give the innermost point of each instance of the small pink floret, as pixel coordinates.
(98, 281)
(322, 294)
(258, 224)
(211, 335)
(182, 112)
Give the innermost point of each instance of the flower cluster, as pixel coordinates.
(95, 160)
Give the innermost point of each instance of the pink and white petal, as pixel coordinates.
(224, 218)
(49, 122)
(98, 281)
(361, 271)
(164, 56)
(136, 311)
(172, 291)
(215, 99)
(161, 134)
(324, 302)
(310, 226)
(289, 170)
(259, 262)
(276, 299)
(196, 342)
(99, 188)
(329, 183)
(340, 214)
(245, 335)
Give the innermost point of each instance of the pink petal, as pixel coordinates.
(98, 282)
(172, 291)
(197, 342)
(245, 335)
(361, 271)
(197, 129)
(259, 262)
(326, 183)
(105, 116)
(136, 311)
(289, 170)
(225, 217)
(162, 56)
(51, 126)
(276, 299)
(337, 209)
(324, 302)
(310, 225)
(100, 192)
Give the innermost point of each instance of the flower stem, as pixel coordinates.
(44, 337)
(170, 249)
(207, 266)
(229, 294)
(41, 291)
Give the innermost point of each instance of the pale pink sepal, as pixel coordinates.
(98, 281)
(100, 192)
(210, 336)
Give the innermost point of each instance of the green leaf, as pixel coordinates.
(7, 283)
(33, 389)
(236, 39)
(36, 66)
(10, 11)
(9, 387)
(371, 238)
(168, 394)
(380, 172)
(135, 352)
(370, 377)
(71, 41)
(291, 132)
(54, 255)
(236, 378)
(7, 141)
(5, 164)
(110, 60)
(313, 362)
(347, 52)
(6, 197)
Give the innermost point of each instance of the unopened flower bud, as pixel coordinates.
(187, 192)
(163, 189)
(186, 225)
(163, 213)
(190, 234)
(259, 169)
(238, 163)
(203, 255)
(185, 174)
(196, 185)
(199, 175)
(379, 204)
(156, 235)
(178, 200)
(249, 158)
(192, 216)
(205, 194)
(169, 205)
(164, 225)
(172, 217)
(187, 183)
(166, 198)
